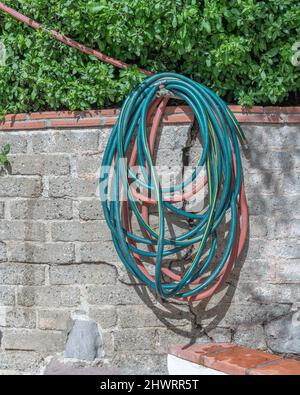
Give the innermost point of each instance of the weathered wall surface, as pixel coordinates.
(61, 281)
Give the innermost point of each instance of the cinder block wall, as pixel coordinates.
(61, 280)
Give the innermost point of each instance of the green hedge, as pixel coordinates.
(240, 48)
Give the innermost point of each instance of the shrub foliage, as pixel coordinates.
(242, 49)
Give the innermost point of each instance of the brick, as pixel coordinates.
(250, 336)
(90, 210)
(284, 249)
(23, 361)
(67, 141)
(42, 142)
(242, 313)
(23, 125)
(259, 118)
(88, 164)
(42, 253)
(1, 210)
(271, 160)
(280, 137)
(3, 252)
(71, 123)
(166, 337)
(194, 353)
(266, 293)
(20, 230)
(83, 274)
(258, 226)
(283, 110)
(261, 182)
(17, 141)
(289, 367)
(256, 249)
(42, 209)
(106, 317)
(236, 360)
(144, 316)
(282, 334)
(98, 252)
(257, 270)
(73, 187)
(134, 339)
(273, 204)
(21, 274)
(173, 137)
(40, 164)
(16, 117)
(291, 183)
(17, 317)
(80, 231)
(33, 340)
(119, 294)
(45, 296)
(7, 295)
(293, 119)
(288, 271)
(52, 114)
(178, 118)
(255, 109)
(144, 363)
(284, 227)
(12, 186)
(59, 320)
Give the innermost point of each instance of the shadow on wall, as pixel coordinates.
(203, 317)
(262, 288)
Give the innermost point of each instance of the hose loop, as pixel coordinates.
(151, 254)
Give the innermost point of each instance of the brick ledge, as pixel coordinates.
(108, 117)
(236, 360)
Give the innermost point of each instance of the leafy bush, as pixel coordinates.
(242, 49)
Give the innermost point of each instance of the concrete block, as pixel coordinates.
(41, 209)
(12, 186)
(21, 274)
(48, 296)
(60, 253)
(83, 274)
(283, 334)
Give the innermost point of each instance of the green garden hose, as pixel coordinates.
(219, 133)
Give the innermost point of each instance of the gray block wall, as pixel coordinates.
(64, 293)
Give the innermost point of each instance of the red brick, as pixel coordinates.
(195, 352)
(236, 360)
(178, 110)
(71, 114)
(283, 110)
(178, 118)
(281, 368)
(293, 119)
(16, 117)
(241, 109)
(259, 118)
(68, 123)
(23, 125)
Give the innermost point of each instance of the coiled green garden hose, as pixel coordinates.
(219, 133)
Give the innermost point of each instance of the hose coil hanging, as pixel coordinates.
(220, 158)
